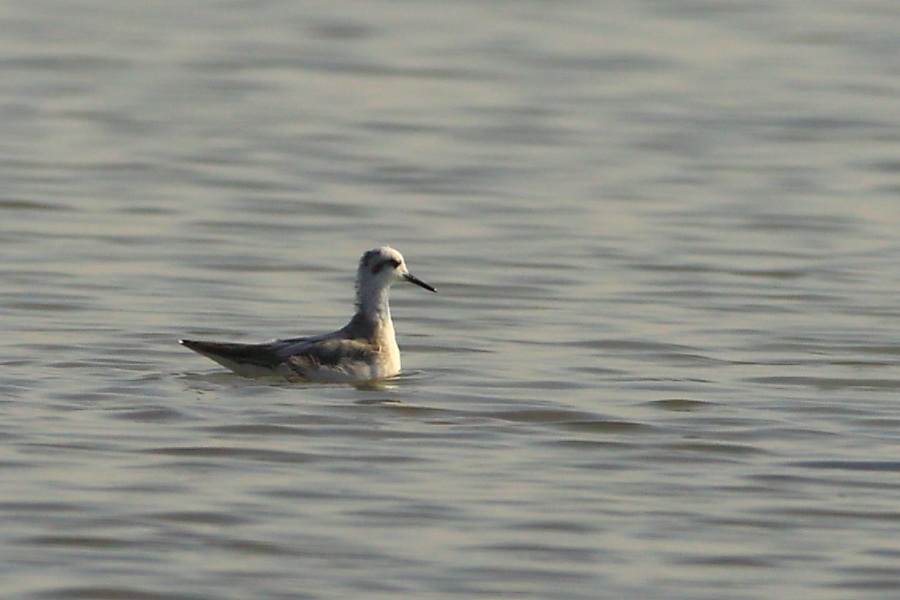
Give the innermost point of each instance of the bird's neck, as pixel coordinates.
(373, 314)
(373, 304)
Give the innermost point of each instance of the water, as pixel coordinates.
(662, 363)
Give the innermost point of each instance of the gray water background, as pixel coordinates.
(663, 362)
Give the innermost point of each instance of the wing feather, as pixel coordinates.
(341, 356)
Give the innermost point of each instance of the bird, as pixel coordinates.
(364, 350)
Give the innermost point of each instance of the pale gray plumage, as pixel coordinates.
(363, 350)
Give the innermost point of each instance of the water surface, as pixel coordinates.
(662, 363)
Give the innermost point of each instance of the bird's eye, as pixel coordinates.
(393, 262)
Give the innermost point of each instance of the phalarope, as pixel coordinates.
(363, 350)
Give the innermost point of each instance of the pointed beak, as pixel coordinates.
(418, 282)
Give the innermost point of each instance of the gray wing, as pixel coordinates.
(343, 357)
(261, 355)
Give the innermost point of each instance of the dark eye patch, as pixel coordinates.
(393, 262)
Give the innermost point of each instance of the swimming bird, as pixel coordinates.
(364, 350)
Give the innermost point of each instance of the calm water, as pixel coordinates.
(663, 363)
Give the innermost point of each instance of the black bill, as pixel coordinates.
(418, 282)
